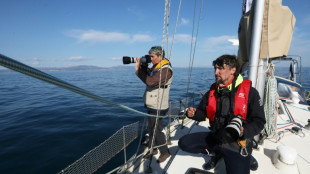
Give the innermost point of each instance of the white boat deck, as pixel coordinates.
(300, 142)
(180, 161)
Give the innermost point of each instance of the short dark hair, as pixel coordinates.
(229, 60)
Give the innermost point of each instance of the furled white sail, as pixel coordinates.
(277, 31)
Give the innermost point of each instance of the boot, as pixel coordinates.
(162, 157)
(210, 164)
(253, 163)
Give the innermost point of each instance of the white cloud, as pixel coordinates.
(221, 43)
(142, 38)
(182, 38)
(184, 21)
(94, 36)
(77, 58)
(235, 42)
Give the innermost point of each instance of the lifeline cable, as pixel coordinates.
(25, 69)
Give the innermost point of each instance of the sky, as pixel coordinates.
(62, 33)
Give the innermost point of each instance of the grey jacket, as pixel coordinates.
(156, 97)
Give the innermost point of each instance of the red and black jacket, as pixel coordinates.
(254, 117)
(240, 102)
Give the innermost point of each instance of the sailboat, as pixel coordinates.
(283, 146)
(265, 36)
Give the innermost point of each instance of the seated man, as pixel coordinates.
(235, 114)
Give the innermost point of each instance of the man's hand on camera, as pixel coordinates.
(137, 63)
(241, 131)
(191, 112)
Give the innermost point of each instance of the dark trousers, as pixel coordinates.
(234, 162)
(160, 137)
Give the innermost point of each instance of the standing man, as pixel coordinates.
(235, 114)
(156, 97)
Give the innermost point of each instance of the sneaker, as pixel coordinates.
(210, 164)
(147, 155)
(163, 157)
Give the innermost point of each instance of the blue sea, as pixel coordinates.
(44, 128)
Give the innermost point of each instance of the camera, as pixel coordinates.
(144, 60)
(232, 130)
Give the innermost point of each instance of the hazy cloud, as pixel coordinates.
(116, 58)
(215, 44)
(184, 21)
(300, 43)
(135, 11)
(36, 61)
(94, 36)
(306, 20)
(142, 38)
(182, 38)
(77, 58)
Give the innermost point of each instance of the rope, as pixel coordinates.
(27, 70)
(298, 107)
(270, 104)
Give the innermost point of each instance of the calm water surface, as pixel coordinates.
(45, 128)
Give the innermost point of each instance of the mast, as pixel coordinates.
(256, 40)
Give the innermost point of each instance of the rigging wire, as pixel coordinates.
(165, 33)
(165, 30)
(175, 29)
(167, 38)
(192, 52)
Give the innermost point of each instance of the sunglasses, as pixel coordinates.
(156, 49)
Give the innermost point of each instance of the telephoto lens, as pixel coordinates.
(232, 130)
(128, 60)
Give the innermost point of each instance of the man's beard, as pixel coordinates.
(219, 80)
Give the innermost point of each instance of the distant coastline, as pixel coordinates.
(92, 68)
(73, 68)
(82, 68)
